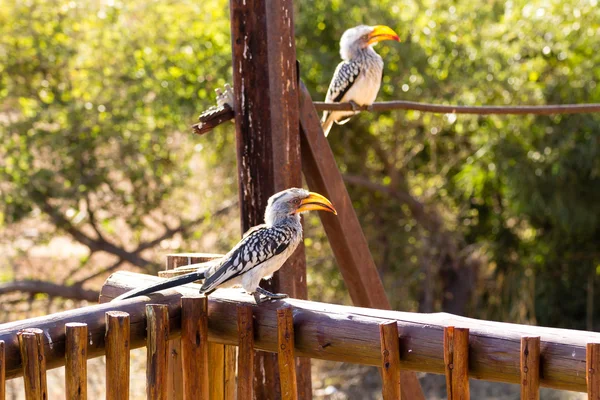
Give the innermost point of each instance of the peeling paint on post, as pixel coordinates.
(268, 143)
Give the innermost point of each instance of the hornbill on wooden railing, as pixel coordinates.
(357, 79)
(260, 253)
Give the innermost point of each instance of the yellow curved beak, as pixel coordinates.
(381, 33)
(315, 201)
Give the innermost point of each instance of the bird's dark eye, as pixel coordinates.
(296, 202)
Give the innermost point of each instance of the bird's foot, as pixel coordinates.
(267, 295)
(355, 107)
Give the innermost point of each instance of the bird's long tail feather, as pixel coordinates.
(169, 283)
(327, 123)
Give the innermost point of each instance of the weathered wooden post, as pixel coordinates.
(268, 142)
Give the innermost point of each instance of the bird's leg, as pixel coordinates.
(355, 107)
(257, 298)
(268, 295)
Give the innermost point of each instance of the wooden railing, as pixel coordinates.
(437, 343)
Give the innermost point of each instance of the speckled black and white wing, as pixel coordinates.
(259, 246)
(344, 76)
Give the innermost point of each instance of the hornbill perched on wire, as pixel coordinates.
(261, 252)
(357, 79)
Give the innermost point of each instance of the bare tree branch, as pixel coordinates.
(416, 207)
(183, 228)
(456, 109)
(103, 271)
(94, 244)
(92, 218)
(75, 292)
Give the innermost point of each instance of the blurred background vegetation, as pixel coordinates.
(494, 217)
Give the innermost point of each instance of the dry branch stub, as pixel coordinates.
(456, 360)
(117, 355)
(76, 360)
(592, 363)
(530, 368)
(194, 347)
(286, 354)
(390, 360)
(217, 119)
(245, 326)
(34, 363)
(157, 317)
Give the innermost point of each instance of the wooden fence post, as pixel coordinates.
(221, 357)
(31, 343)
(245, 324)
(157, 346)
(530, 368)
(194, 347)
(456, 360)
(117, 355)
(390, 360)
(76, 361)
(592, 364)
(286, 353)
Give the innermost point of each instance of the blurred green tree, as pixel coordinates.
(490, 216)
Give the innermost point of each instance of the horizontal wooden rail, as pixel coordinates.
(53, 326)
(351, 334)
(326, 331)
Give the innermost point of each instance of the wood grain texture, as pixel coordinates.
(2, 371)
(268, 141)
(286, 354)
(344, 232)
(324, 331)
(176, 265)
(157, 351)
(194, 347)
(117, 355)
(53, 326)
(390, 360)
(245, 325)
(351, 334)
(178, 260)
(592, 364)
(34, 363)
(216, 370)
(230, 353)
(76, 361)
(530, 368)
(175, 371)
(456, 360)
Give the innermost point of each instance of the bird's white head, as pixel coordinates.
(292, 202)
(361, 37)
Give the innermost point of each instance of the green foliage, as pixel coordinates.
(96, 100)
(95, 97)
(518, 193)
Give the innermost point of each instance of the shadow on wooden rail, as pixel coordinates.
(532, 356)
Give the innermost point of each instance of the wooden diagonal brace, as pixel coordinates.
(344, 231)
